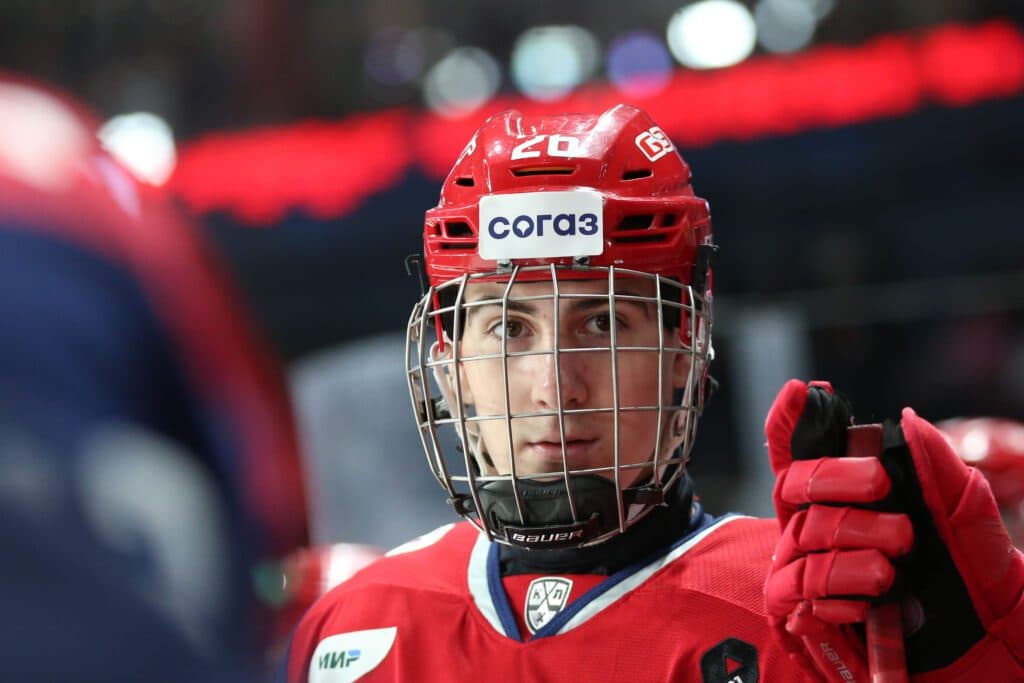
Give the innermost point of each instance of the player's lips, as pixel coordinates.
(576, 450)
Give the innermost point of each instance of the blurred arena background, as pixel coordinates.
(864, 161)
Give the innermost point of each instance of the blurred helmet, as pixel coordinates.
(996, 447)
(558, 199)
(200, 427)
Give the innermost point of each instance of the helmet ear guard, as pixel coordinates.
(443, 367)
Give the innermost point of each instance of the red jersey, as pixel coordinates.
(437, 609)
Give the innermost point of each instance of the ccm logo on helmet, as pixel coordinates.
(564, 224)
(654, 143)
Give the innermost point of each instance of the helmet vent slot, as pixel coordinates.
(458, 229)
(636, 222)
(668, 219)
(465, 181)
(637, 174)
(648, 237)
(543, 170)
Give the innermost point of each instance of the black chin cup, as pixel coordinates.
(547, 520)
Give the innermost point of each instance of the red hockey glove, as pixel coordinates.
(909, 522)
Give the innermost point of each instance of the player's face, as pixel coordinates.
(585, 376)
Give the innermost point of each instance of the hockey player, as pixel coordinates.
(996, 447)
(564, 343)
(146, 440)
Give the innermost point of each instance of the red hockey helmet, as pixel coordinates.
(996, 447)
(558, 199)
(652, 220)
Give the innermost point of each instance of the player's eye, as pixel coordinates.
(602, 324)
(510, 329)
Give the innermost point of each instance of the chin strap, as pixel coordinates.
(662, 526)
(547, 520)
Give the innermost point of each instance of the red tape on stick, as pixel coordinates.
(886, 659)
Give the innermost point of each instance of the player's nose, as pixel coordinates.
(558, 380)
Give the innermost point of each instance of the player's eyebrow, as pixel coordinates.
(528, 307)
(602, 301)
(590, 302)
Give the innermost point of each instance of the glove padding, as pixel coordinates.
(912, 523)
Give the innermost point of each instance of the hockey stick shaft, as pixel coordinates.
(886, 659)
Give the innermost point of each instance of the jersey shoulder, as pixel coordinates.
(435, 562)
(730, 563)
(427, 575)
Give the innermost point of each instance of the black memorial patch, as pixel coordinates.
(731, 661)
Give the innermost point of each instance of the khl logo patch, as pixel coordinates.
(545, 597)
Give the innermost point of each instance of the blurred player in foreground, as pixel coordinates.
(148, 461)
(996, 447)
(565, 337)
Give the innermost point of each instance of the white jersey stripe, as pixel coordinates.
(478, 586)
(618, 591)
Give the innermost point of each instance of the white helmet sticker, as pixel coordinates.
(541, 225)
(347, 657)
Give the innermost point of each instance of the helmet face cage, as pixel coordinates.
(450, 428)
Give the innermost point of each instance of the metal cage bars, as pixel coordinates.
(429, 418)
